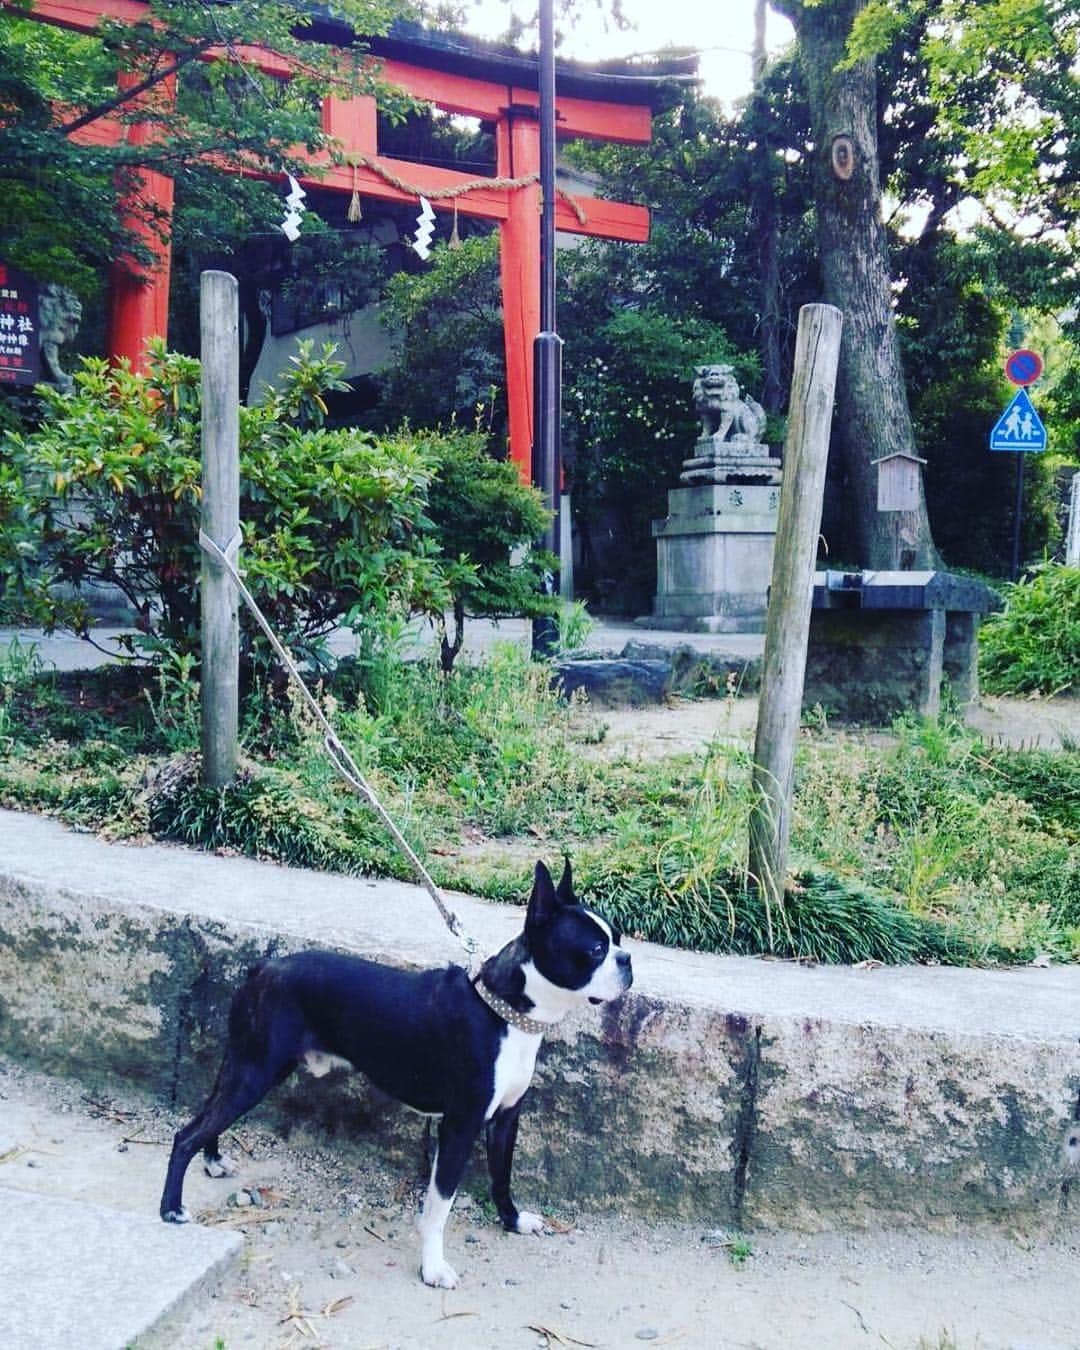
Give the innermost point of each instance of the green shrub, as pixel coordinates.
(1033, 645)
(1048, 780)
(268, 813)
(483, 515)
(107, 490)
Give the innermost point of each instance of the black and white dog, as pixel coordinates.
(434, 1039)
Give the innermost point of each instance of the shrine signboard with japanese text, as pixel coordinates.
(20, 347)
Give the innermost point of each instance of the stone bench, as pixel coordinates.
(882, 642)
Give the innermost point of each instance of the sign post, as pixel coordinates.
(1019, 429)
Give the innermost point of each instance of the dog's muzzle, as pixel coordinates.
(623, 978)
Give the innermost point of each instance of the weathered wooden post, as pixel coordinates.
(787, 625)
(218, 314)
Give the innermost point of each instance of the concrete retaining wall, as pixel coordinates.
(723, 1090)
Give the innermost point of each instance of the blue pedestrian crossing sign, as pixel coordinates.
(1018, 427)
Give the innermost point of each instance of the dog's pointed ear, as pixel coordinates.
(565, 889)
(543, 901)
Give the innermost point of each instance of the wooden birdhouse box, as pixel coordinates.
(898, 481)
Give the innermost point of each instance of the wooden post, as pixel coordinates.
(218, 312)
(787, 628)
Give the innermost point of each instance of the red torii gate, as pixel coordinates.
(458, 76)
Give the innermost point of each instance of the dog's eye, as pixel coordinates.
(598, 949)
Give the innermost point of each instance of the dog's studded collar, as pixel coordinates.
(501, 1008)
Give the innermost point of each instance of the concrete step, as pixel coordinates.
(80, 1275)
(728, 1090)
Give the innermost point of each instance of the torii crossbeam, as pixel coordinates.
(457, 75)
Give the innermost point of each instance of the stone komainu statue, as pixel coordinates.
(59, 315)
(724, 414)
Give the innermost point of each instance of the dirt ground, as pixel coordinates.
(689, 725)
(330, 1257)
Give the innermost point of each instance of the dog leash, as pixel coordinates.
(337, 754)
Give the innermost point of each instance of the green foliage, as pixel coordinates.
(629, 418)
(58, 217)
(490, 745)
(19, 666)
(575, 625)
(267, 813)
(930, 847)
(823, 918)
(484, 515)
(703, 176)
(1033, 645)
(631, 412)
(966, 837)
(107, 490)
(450, 369)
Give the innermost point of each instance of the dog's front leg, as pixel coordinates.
(455, 1143)
(501, 1138)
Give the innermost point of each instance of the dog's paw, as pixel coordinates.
(439, 1274)
(529, 1224)
(176, 1216)
(220, 1167)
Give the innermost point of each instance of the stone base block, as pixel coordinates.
(712, 582)
(752, 622)
(872, 665)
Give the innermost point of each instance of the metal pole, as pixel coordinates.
(547, 349)
(1018, 513)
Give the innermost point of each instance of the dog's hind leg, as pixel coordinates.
(239, 1087)
(215, 1163)
(501, 1137)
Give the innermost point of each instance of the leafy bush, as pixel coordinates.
(483, 512)
(108, 491)
(451, 365)
(823, 918)
(1033, 645)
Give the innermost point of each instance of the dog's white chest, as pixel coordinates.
(513, 1069)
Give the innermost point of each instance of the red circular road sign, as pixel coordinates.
(1024, 366)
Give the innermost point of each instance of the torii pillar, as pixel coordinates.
(139, 294)
(517, 149)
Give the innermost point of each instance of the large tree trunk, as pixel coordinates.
(872, 416)
(766, 227)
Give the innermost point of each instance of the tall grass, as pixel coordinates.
(931, 847)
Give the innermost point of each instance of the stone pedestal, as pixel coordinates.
(882, 643)
(714, 548)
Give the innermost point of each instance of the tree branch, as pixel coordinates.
(126, 95)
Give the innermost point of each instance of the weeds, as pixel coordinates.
(174, 705)
(932, 847)
(19, 666)
(982, 841)
(575, 625)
